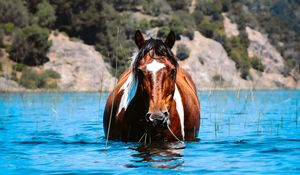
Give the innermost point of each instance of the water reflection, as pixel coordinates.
(158, 155)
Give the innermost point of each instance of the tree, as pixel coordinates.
(156, 7)
(13, 11)
(182, 52)
(30, 46)
(179, 4)
(45, 15)
(183, 24)
(1, 38)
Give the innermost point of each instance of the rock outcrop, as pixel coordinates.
(272, 77)
(230, 28)
(209, 64)
(9, 85)
(81, 67)
(260, 47)
(211, 68)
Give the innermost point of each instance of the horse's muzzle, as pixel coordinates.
(158, 119)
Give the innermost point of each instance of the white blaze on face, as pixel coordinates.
(155, 66)
(179, 108)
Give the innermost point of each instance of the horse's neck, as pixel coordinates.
(138, 106)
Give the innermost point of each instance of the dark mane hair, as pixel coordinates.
(159, 48)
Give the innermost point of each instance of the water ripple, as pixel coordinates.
(62, 133)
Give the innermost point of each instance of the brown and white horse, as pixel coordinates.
(154, 99)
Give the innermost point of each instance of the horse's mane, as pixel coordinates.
(158, 47)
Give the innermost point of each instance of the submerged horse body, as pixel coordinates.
(154, 99)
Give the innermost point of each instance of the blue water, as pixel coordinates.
(61, 133)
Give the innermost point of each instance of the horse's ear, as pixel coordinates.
(170, 40)
(139, 39)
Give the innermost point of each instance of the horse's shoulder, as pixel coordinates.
(184, 80)
(188, 92)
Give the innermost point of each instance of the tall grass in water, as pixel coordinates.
(116, 72)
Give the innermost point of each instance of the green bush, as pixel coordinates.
(182, 23)
(7, 47)
(120, 60)
(30, 46)
(179, 4)
(288, 66)
(123, 5)
(209, 7)
(51, 74)
(163, 32)
(209, 19)
(238, 53)
(51, 86)
(218, 78)
(210, 29)
(189, 34)
(14, 11)
(142, 25)
(257, 64)
(33, 80)
(242, 62)
(8, 28)
(156, 7)
(45, 15)
(1, 38)
(244, 38)
(19, 67)
(182, 52)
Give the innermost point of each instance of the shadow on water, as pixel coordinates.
(158, 155)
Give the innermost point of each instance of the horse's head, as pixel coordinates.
(155, 68)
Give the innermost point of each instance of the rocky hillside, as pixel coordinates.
(209, 64)
(83, 69)
(211, 67)
(80, 66)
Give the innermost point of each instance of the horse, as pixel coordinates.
(154, 99)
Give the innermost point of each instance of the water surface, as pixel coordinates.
(255, 132)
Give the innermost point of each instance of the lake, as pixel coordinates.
(241, 132)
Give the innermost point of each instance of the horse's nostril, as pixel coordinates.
(156, 116)
(148, 117)
(166, 114)
(158, 119)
